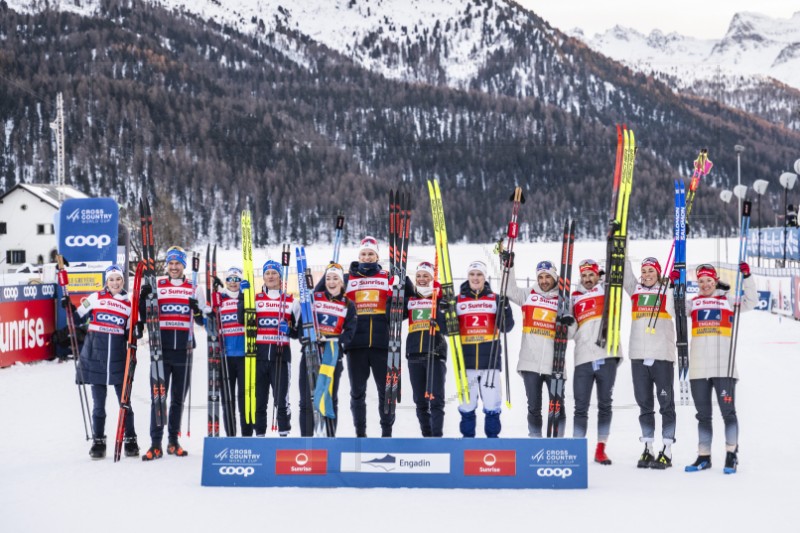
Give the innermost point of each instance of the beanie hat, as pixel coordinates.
(707, 271)
(427, 267)
(589, 264)
(480, 266)
(653, 262)
(369, 243)
(336, 269)
(271, 265)
(176, 253)
(547, 267)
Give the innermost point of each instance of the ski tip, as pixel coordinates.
(508, 405)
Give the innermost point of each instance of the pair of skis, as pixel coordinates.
(130, 363)
(609, 335)
(218, 383)
(250, 325)
(448, 292)
(679, 292)
(564, 308)
(158, 390)
(517, 200)
(399, 237)
(323, 425)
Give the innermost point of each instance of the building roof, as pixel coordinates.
(47, 192)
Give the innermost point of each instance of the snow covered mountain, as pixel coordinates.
(755, 66)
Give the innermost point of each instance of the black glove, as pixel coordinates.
(567, 320)
(507, 258)
(193, 305)
(138, 330)
(67, 304)
(304, 341)
(145, 291)
(217, 283)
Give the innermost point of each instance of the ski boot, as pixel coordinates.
(98, 449)
(174, 448)
(131, 447)
(600, 454)
(703, 462)
(646, 459)
(731, 462)
(153, 453)
(662, 462)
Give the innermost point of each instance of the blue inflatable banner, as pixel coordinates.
(88, 228)
(415, 463)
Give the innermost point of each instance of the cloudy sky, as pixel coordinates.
(682, 16)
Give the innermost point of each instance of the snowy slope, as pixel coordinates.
(48, 483)
(754, 45)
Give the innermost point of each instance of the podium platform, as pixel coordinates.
(414, 463)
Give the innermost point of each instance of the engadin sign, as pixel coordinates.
(423, 463)
(88, 229)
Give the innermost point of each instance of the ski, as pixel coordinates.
(399, 237)
(448, 291)
(337, 241)
(609, 335)
(702, 166)
(557, 379)
(250, 325)
(308, 338)
(158, 390)
(63, 281)
(429, 368)
(285, 257)
(187, 378)
(214, 343)
(679, 292)
(517, 199)
(130, 363)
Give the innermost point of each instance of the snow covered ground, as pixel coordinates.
(48, 482)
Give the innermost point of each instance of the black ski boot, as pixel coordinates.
(153, 453)
(131, 447)
(731, 462)
(174, 448)
(662, 462)
(703, 462)
(646, 459)
(98, 449)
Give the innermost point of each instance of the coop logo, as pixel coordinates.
(74, 216)
(48, 290)
(301, 462)
(490, 463)
(111, 319)
(175, 308)
(29, 291)
(243, 471)
(563, 473)
(93, 241)
(10, 293)
(267, 322)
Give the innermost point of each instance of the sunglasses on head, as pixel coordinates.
(544, 265)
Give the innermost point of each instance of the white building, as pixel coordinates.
(27, 215)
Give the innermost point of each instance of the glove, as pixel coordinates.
(744, 268)
(67, 304)
(138, 330)
(567, 320)
(244, 284)
(507, 258)
(146, 291)
(217, 283)
(674, 277)
(395, 282)
(283, 327)
(193, 305)
(207, 310)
